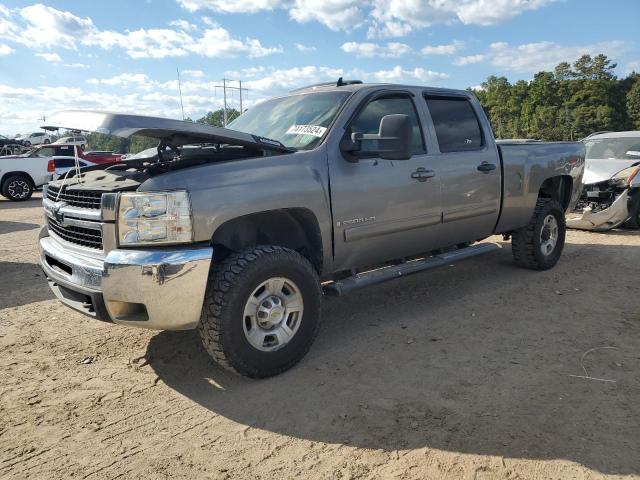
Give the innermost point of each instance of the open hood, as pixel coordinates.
(172, 132)
(601, 169)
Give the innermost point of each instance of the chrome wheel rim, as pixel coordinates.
(549, 235)
(272, 314)
(18, 189)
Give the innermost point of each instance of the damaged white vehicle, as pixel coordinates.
(611, 195)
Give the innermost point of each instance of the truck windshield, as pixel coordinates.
(618, 148)
(296, 121)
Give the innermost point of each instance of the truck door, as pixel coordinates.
(383, 209)
(468, 167)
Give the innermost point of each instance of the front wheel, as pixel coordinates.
(261, 311)
(538, 245)
(47, 141)
(17, 188)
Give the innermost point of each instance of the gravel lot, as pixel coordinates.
(463, 372)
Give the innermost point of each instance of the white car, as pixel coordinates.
(35, 138)
(611, 195)
(20, 175)
(75, 140)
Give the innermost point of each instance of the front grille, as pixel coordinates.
(75, 198)
(85, 237)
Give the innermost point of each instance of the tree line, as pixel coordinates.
(569, 103)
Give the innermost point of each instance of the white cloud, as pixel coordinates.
(398, 17)
(469, 60)
(183, 25)
(48, 27)
(40, 26)
(334, 14)
(398, 74)
(49, 57)
(534, 57)
(76, 65)
(5, 50)
(230, 6)
(193, 73)
(629, 67)
(281, 80)
(369, 50)
(304, 49)
(138, 80)
(447, 49)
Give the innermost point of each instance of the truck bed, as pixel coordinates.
(525, 166)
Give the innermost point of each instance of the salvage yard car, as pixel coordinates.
(325, 190)
(611, 196)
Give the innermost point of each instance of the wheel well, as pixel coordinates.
(294, 228)
(557, 188)
(11, 174)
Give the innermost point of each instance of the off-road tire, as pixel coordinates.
(230, 284)
(525, 242)
(634, 211)
(7, 187)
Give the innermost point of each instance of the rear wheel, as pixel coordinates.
(634, 211)
(47, 141)
(27, 143)
(538, 246)
(261, 311)
(17, 188)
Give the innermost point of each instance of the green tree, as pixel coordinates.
(216, 118)
(567, 104)
(633, 105)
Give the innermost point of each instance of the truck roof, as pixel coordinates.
(355, 85)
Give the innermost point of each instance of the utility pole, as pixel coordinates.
(180, 90)
(226, 87)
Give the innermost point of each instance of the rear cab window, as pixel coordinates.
(456, 123)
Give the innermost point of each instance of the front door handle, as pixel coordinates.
(486, 167)
(422, 174)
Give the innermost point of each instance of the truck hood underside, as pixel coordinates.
(172, 132)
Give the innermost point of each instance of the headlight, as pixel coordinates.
(154, 218)
(624, 177)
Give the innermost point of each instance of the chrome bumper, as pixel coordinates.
(604, 220)
(160, 288)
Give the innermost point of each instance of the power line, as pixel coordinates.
(226, 87)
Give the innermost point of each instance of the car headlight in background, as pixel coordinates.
(154, 218)
(624, 177)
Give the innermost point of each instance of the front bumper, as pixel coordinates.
(160, 288)
(604, 220)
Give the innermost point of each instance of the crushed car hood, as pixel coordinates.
(172, 132)
(601, 169)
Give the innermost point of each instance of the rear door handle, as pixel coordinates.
(486, 167)
(422, 174)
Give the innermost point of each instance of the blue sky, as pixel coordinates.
(122, 55)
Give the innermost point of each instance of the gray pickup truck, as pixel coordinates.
(239, 231)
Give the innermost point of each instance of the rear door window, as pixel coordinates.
(456, 123)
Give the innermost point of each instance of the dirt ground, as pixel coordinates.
(463, 372)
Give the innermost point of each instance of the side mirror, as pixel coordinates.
(392, 142)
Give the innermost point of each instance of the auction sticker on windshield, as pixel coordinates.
(314, 130)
